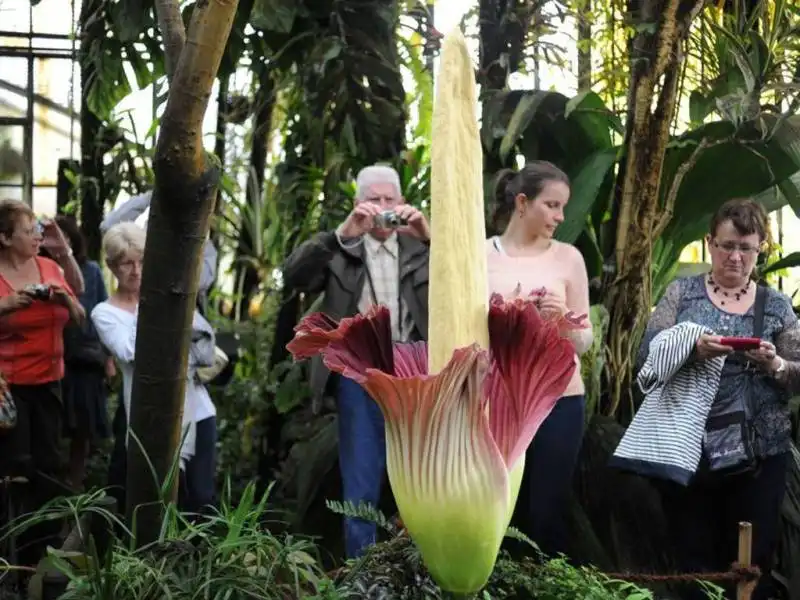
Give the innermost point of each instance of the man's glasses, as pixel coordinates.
(379, 199)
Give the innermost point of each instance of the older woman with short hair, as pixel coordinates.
(727, 302)
(115, 321)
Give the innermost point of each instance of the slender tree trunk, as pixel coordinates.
(585, 45)
(656, 60)
(262, 124)
(181, 209)
(219, 150)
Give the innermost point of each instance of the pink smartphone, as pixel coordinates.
(741, 343)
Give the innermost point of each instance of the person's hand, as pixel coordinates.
(110, 369)
(552, 304)
(59, 295)
(765, 356)
(53, 239)
(361, 220)
(710, 346)
(417, 224)
(14, 302)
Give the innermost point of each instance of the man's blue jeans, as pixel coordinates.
(362, 459)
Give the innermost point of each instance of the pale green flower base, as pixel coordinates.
(459, 537)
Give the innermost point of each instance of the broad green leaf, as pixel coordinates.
(141, 69)
(520, 119)
(532, 122)
(747, 165)
(740, 55)
(274, 15)
(130, 18)
(787, 262)
(594, 117)
(786, 134)
(699, 107)
(790, 192)
(586, 182)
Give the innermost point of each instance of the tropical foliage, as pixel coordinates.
(310, 91)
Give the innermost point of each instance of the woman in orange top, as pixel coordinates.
(35, 304)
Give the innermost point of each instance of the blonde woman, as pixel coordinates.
(115, 321)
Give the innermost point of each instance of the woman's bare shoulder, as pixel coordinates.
(563, 251)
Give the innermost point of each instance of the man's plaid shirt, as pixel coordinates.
(382, 260)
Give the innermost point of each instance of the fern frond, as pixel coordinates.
(364, 511)
(516, 534)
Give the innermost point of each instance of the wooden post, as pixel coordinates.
(744, 589)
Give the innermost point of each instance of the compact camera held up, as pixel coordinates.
(389, 219)
(39, 291)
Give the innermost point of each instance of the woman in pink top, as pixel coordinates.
(529, 207)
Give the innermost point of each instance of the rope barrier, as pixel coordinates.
(742, 572)
(737, 573)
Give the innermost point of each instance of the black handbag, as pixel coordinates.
(82, 346)
(728, 443)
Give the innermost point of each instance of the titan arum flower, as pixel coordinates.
(459, 417)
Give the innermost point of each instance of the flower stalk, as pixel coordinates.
(458, 298)
(461, 411)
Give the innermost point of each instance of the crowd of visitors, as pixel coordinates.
(713, 433)
(63, 338)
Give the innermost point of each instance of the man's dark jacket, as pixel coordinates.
(322, 265)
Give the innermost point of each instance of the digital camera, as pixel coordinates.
(389, 219)
(39, 291)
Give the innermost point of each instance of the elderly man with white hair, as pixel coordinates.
(378, 255)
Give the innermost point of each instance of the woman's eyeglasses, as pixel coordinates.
(731, 247)
(129, 264)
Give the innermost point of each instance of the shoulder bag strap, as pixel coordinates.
(758, 311)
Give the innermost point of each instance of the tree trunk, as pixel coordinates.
(656, 59)
(219, 150)
(178, 226)
(263, 105)
(585, 45)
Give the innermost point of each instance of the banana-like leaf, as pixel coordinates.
(786, 134)
(787, 262)
(521, 118)
(586, 184)
(546, 126)
(274, 15)
(745, 163)
(589, 110)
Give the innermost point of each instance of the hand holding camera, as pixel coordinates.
(13, 302)
(361, 220)
(25, 297)
(367, 216)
